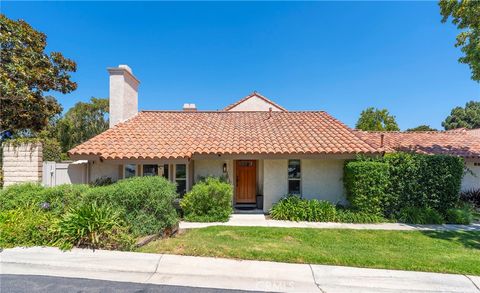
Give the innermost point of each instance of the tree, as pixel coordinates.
(82, 122)
(422, 128)
(27, 73)
(468, 117)
(466, 16)
(372, 119)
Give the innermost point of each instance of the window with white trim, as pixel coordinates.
(294, 177)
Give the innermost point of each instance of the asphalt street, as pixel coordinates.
(47, 284)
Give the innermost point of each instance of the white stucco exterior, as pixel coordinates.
(123, 100)
(214, 168)
(255, 103)
(99, 169)
(471, 179)
(275, 184)
(323, 180)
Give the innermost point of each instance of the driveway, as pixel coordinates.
(225, 274)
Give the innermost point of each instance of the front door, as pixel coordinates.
(246, 181)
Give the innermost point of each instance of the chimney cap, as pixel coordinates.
(126, 67)
(189, 107)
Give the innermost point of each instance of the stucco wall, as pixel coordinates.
(254, 104)
(22, 163)
(103, 169)
(274, 182)
(322, 179)
(205, 168)
(471, 181)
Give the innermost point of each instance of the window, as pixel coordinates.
(130, 170)
(164, 171)
(294, 177)
(150, 170)
(181, 178)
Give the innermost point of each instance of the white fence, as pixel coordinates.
(64, 173)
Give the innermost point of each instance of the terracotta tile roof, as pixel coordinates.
(254, 94)
(167, 135)
(464, 143)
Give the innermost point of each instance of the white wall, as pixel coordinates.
(323, 180)
(205, 168)
(104, 169)
(471, 181)
(254, 104)
(22, 163)
(275, 184)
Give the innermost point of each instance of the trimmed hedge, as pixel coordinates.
(295, 208)
(401, 184)
(366, 183)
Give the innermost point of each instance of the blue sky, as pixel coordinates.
(340, 57)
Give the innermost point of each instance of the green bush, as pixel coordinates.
(348, 216)
(210, 200)
(93, 226)
(366, 183)
(55, 199)
(146, 203)
(26, 226)
(471, 196)
(294, 208)
(419, 215)
(102, 181)
(459, 216)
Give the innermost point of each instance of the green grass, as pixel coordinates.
(446, 252)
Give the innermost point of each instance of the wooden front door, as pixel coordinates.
(246, 181)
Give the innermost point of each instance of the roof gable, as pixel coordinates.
(254, 102)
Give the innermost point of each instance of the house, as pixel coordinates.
(261, 148)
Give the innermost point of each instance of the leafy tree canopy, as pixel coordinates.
(82, 122)
(422, 128)
(466, 16)
(372, 119)
(468, 117)
(27, 72)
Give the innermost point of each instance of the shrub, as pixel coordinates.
(294, 208)
(417, 215)
(102, 181)
(93, 226)
(146, 203)
(56, 199)
(459, 216)
(348, 216)
(26, 226)
(366, 184)
(52, 151)
(471, 196)
(210, 200)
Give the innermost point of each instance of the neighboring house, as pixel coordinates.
(262, 149)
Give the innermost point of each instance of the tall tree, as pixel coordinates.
(27, 73)
(372, 119)
(422, 128)
(466, 16)
(82, 122)
(468, 117)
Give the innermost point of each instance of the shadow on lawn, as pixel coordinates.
(469, 239)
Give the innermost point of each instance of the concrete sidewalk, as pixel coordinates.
(259, 220)
(224, 273)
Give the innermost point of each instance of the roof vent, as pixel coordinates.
(189, 107)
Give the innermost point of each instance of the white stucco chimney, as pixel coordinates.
(123, 101)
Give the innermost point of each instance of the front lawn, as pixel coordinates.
(447, 252)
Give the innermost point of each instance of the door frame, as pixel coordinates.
(235, 181)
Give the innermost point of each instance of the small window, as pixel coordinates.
(181, 178)
(130, 170)
(294, 177)
(150, 170)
